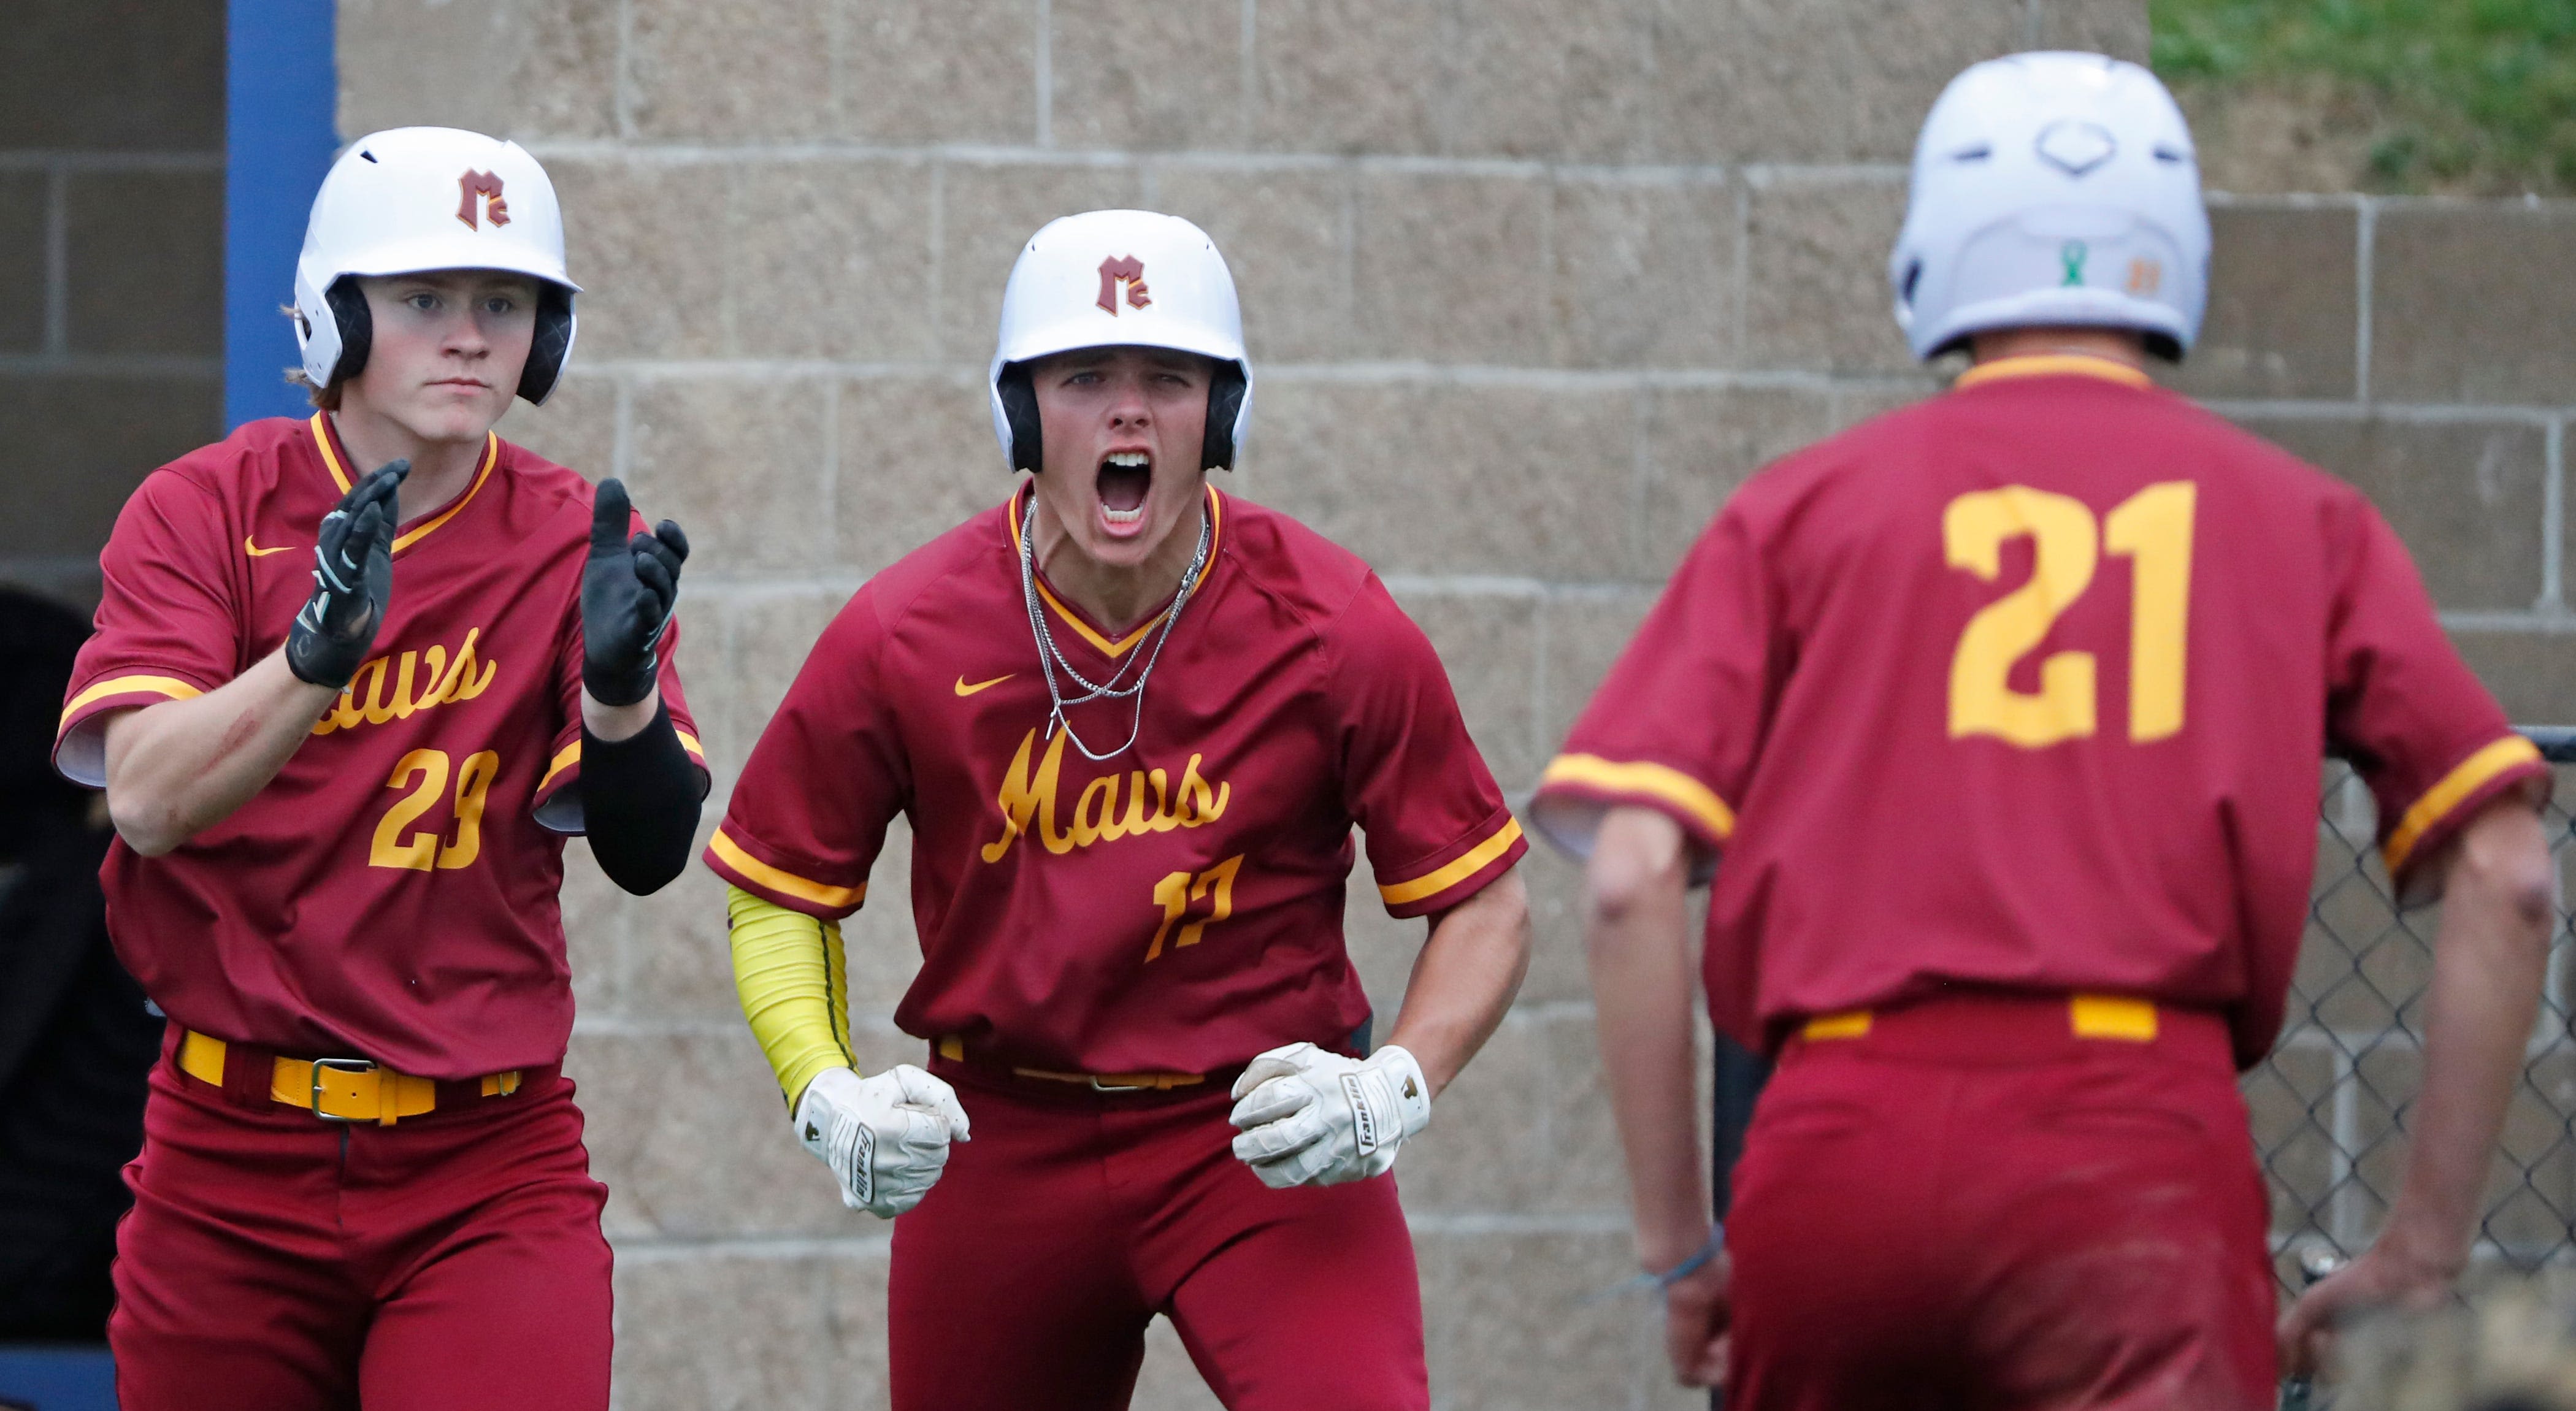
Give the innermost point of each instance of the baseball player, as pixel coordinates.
(2004, 711)
(1132, 721)
(344, 718)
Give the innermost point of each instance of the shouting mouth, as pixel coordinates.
(1125, 478)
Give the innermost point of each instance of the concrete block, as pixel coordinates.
(831, 260)
(2532, 674)
(2465, 496)
(1850, 404)
(1489, 647)
(1169, 1382)
(113, 75)
(2115, 27)
(1285, 236)
(1551, 79)
(22, 261)
(1644, 275)
(961, 71)
(1582, 636)
(1451, 268)
(577, 427)
(79, 445)
(689, 1132)
(644, 293)
(2282, 307)
(768, 635)
(1815, 284)
(1428, 478)
(739, 462)
(1507, 1324)
(1802, 81)
(988, 214)
(146, 263)
(725, 1331)
(1348, 76)
(729, 73)
(1137, 74)
(1557, 972)
(854, 1313)
(679, 964)
(1577, 1117)
(1701, 443)
(916, 458)
(517, 68)
(1484, 1148)
(2467, 306)
(596, 916)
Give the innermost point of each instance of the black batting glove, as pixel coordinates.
(353, 581)
(627, 588)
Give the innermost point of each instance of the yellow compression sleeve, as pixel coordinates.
(787, 967)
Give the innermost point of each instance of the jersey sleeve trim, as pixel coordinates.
(169, 688)
(1614, 781)
(729, 858)
(1455, 871)
(570, 757)
(2467, 779)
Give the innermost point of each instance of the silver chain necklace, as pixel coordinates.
(1051, 657)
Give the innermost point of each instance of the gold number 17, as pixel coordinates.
(1178, 889)
(2152, 528)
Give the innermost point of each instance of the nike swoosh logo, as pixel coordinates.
(255, 551)
(965, 690)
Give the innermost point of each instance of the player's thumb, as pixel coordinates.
(610, 513)
(921, 1089)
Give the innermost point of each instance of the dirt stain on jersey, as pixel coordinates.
(1100, 813)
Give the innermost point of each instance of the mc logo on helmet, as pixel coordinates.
(1129, 271)
(486, 185)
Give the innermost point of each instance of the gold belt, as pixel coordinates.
(335, 1089)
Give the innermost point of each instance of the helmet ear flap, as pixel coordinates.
(552, 347)
(357, 328)
(1020, 406)
(1225, 406)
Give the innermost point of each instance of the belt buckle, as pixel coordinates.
(1101, 1087)
(337, 1065)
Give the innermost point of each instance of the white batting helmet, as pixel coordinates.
(1120, 278)
(427, 198)
(2053, 189)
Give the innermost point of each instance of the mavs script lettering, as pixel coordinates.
(420, 680)
(1099, 815)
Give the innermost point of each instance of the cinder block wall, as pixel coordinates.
(111, 267)
(1531, 287)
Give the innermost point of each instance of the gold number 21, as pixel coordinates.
(2152, 528)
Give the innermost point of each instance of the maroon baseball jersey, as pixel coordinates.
(391, 894)
(2027, 686)
(1177, 907)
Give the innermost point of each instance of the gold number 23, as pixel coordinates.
(426, 849)
(2152, 528)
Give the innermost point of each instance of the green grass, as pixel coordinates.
(2463, 94)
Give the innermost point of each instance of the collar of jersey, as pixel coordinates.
(327, 438)
(2054, 365)
(1073, 619)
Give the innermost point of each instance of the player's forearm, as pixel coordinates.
(181, 767)
(612, 723)
(1635, 940)
(1464, 979)
(2487, 966)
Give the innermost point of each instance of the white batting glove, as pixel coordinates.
(885, 1137)
(1309, 1116)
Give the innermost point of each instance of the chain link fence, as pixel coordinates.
(2330, 1104)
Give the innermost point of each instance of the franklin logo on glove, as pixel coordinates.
(1311, 1117)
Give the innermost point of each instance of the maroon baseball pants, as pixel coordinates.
(1971, 1206)
(1028, 1274)
(274, 1261)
